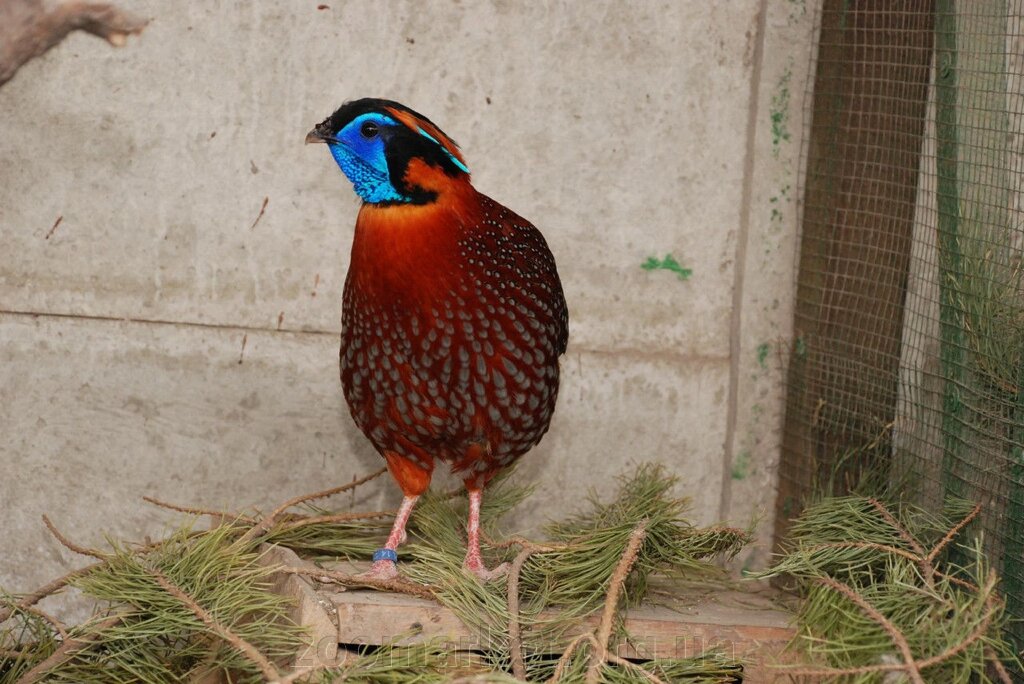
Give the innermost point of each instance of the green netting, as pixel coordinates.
(907, 367)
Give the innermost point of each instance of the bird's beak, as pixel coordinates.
(315, 136)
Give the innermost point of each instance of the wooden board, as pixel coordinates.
(687, 621)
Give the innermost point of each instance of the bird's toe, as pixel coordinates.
(381, 570)
(485, 575)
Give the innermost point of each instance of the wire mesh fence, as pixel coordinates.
(907, 367)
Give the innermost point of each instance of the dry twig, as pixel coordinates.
(263, 210)
(195, 510)
(264, 525)
(398, 584)
(70, 544)
(611, 604)
(56, 223)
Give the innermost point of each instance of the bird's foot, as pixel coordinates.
(385, 565)
(475, 566)
(381, 570)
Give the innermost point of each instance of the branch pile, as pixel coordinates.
(880, 604)
(197, 606)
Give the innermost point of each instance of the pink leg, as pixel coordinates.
(474, 563)
(387, 569)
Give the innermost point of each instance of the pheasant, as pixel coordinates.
(453, 315)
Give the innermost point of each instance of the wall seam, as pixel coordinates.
(740, 263)
(629, 352)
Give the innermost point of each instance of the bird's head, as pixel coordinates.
(391, 154)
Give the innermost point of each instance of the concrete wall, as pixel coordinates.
(160, 341)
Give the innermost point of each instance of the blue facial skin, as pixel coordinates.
(362, 159)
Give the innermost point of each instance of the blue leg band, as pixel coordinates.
(385, 554)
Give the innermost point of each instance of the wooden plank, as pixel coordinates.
(756, 635)
(746, 625)
(309, 609)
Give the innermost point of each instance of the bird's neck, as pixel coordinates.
(410, 251)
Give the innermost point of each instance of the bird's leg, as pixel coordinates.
(386, 567)
(474, 563)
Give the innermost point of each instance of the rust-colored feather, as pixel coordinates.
(453, 322)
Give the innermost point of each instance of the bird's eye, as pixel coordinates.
(369, 130)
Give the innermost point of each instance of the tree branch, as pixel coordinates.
(398, 584)
(611, 603)
(28, 28)
(265, 524)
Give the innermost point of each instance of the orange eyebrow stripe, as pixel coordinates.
(416, 124)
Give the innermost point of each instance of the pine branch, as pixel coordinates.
(68, 649)
(57, 625)
(953, 532)
(611, 604)
(335, 518)
(910, 666)
(515, 634)
(42, 592)
(898, 590)
(625, 664)
(248, 650)
(566, 657)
